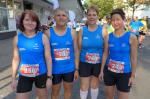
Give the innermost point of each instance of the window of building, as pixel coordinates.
(27, 5)
(2, 3)
(3, 16)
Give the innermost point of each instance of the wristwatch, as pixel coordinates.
(50, 77)
(76, 69)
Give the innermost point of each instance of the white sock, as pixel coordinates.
(94, 93)
(83, 94)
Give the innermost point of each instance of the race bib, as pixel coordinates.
(134, 31)
(116, 66)
(29, 70)
(62, 54)
(92, 58)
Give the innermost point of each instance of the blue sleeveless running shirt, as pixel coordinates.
(119, 53)
(62, 51)
(31, 53)
(92, 45)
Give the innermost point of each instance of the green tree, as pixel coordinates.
(105, 6)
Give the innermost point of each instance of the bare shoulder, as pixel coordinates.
(133, 38)
(47, 33)
(15, 39)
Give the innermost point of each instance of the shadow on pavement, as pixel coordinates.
(5, 77)
(7, 84)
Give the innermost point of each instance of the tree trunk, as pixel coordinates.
(133, 12)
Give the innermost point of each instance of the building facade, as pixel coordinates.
(10, 8)
(74, 6)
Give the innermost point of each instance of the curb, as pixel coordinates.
(7, 35)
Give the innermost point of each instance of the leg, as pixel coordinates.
(40, 83)
(84, 86)
(42, 93)
(55, 91)
(85, 75)
(24, 87)
(23, 95)
(122, 86)
(110, 91)
(95, 80)
(56, 86)
(67, 90)
(123, 95)
(67, 82)
(94, 87)
(110, 81)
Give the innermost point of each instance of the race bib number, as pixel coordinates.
(134, 31)
(116, 66)
(29, 70)
(92, 58)
(62, 54)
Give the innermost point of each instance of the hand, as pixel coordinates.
(101, 75)
(131, 81)
(76, 75)
(14, 84)
(48, 83)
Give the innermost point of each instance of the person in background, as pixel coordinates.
(134, 26)
(143, 32)
(31, 58)
(110, 29)
(50, 21)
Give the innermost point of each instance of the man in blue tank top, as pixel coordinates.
(63, 42)
(121, 49)
(31, 58)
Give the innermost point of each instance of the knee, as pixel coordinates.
(84, 87)
(109, 95)
(55, 93)
(94, 84)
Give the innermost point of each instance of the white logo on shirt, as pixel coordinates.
(97, 36)
(68, 43)
(123, 44)
(53, 44)
(22, 49)
(85, 38)
(36, 46)
(111, 45)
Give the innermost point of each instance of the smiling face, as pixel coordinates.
(28, 23)
(61, 17)
(117, 21)
(92, 17)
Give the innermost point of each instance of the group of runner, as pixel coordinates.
(60, 55)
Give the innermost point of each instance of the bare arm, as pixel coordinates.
(47, 55)
(79, 40)
(76, 51)
(16, 58)
(134, 44)
(105, 52)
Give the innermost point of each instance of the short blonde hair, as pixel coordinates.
(61, 9)
(95, 8)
